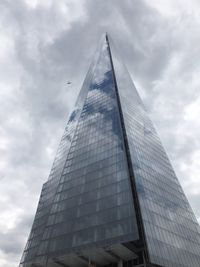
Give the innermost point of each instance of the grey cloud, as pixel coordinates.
(48, 51)
(6, 239)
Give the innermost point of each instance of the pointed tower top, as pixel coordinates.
(107, 39)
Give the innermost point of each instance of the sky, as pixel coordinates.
(46, 43)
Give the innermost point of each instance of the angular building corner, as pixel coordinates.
(112, 197)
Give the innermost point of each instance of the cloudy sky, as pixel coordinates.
(46, 43)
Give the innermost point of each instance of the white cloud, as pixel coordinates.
(173, 8)
(192, 169)
(192, 112)
(46, 43)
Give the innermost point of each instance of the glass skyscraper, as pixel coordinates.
(112, 197)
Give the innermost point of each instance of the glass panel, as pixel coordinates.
(171, 229)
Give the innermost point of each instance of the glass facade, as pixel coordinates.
(171, 229)
(49, 188)
(111, 182)
(87, 200)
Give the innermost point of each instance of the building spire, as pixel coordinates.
(107, 39)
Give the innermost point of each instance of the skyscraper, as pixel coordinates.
(112, 197)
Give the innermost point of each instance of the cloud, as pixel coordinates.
(44, 44)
